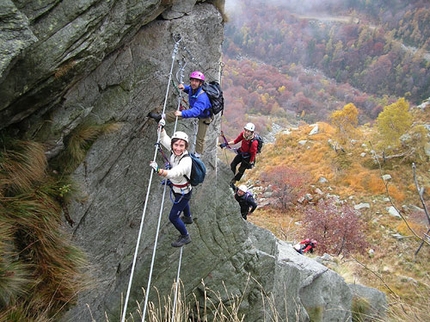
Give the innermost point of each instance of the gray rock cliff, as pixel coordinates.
(66, 63)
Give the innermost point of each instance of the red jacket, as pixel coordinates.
(308, 245)
(248, 146)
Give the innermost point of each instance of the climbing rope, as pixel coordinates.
(200, 67)
(175, 297)
(175, 50)
(180, 75)
(139, 238)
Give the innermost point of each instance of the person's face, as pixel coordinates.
(247, 133)
(179, 147)
(195, 83)
(240, 192)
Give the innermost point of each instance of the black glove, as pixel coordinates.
(223, 145)
(250, 165)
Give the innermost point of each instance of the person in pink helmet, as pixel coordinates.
(199, 108)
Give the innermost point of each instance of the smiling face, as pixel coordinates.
(179, 146)
(195, 83)
(247, 134)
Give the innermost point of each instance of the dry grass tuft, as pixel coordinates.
(22, 166)
(78, 143)
(42, 272)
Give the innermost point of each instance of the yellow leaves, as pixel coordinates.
(393, 122)
(345, 121)
(264, 98)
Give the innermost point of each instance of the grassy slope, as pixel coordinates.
(354, 176)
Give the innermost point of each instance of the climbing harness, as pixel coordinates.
(138, 243)
(168, 166)
(177, 39)
(180, 81)
(180, 106)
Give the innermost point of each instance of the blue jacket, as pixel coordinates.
(199, 104)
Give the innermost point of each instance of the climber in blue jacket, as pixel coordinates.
(199, 108)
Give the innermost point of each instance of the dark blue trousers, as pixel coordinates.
(180, 204)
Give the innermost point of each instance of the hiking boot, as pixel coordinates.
(233, 181)
(155, 116)
(182, 240)
(187, 220)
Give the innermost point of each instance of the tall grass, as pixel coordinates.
(206, 304)
(40, 269)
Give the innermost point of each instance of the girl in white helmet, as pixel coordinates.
(245, 154)
(182, 189)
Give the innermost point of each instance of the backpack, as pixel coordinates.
(216, 97)
(248, 194)
(198, 170)
(260, 142)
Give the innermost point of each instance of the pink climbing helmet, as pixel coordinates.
(197, 75)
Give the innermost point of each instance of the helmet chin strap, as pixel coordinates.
(249, 137)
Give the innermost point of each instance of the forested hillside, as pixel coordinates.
(344, 85)
(307, 58)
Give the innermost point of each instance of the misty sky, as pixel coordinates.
(300, 6)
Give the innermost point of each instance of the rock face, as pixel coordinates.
(67, 63)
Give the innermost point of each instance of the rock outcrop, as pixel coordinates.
(68, 63)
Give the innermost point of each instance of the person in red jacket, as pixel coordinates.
(245, 154)
(306, 245)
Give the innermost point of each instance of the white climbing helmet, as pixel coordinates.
(180, 135)
(250, 127)
(243, 188)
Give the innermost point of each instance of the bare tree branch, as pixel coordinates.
(420, 193)
(423, 240)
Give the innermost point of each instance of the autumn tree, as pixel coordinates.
(288, 185)
(393, 122)
(345, 122)
(336, 226)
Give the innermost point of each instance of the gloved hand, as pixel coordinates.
(223, 145)
(154, 166)
(250, 165)
(161, 123)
